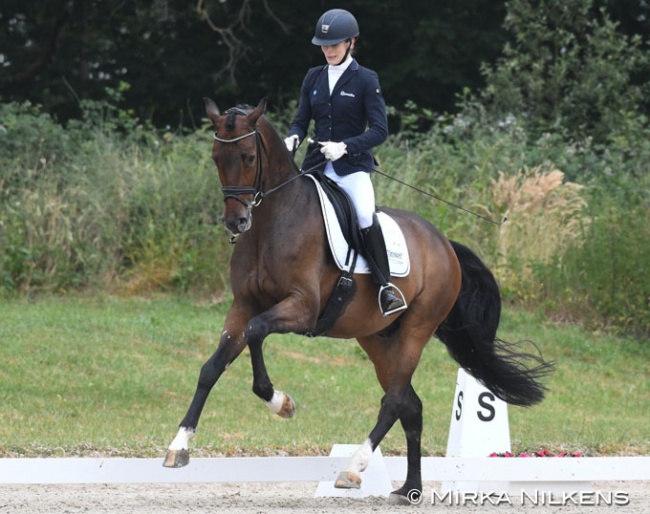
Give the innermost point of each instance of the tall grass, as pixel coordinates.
(545, 217)
(576, 243)
(107, 204)
(89, 207)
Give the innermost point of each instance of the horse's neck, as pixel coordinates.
(288, 213)
(287, 201)
(292, 204)
(280, 168)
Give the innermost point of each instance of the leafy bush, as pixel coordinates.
(549, 252)
(117, 206)
(567, 69)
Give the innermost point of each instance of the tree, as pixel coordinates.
(569, 67)
(173, 52)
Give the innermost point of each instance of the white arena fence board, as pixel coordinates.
(315, 469)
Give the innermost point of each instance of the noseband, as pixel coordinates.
(236, 192)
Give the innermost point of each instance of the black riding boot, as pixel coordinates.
(391, 299)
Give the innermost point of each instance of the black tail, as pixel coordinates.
(469, 332)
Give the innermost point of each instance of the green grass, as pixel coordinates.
(114, 376)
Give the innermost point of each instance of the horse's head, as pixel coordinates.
(236, 152)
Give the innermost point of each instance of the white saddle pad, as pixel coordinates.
(398, 256)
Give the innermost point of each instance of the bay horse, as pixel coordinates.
(282, 274)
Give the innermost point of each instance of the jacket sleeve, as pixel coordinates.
(300, 123)
(375, 110)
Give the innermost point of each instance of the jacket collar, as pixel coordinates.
(347, 75)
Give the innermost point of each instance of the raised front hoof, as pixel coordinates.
(348, 480)
(177, 458)
(288, 407)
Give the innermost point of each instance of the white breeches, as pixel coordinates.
(359, 188)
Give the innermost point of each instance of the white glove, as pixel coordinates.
(333, 151)
(292, 143)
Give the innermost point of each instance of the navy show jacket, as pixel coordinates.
(355, 113)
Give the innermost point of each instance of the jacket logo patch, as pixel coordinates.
(343, 93)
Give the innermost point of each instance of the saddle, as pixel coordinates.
(342, 229)
(343, 235)
(346, 215)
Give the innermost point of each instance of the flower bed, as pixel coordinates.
(541, 453)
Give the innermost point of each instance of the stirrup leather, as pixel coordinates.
(398, 293)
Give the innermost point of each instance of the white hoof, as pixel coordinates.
(348, 480)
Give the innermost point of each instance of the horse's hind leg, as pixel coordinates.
(411, 419)
(394, 364)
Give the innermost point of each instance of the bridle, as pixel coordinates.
(235, 192)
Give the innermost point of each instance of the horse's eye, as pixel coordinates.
(249, 160)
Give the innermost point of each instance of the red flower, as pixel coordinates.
(540, 453)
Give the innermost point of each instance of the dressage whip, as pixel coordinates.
(435, 197)
(426, 193)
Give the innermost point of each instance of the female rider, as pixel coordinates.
(344, 100)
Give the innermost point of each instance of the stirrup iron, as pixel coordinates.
(398, 292)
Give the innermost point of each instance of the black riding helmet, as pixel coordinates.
(335, 26)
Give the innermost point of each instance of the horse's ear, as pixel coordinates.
(255, 114)
(211, 109)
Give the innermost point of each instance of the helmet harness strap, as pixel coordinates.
(347, 52)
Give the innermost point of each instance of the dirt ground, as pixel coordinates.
(273, 498)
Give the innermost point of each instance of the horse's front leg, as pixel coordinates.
(230, 346)
(282, 318)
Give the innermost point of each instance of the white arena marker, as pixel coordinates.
(479, 420)
(479, 426)
(375, 480)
